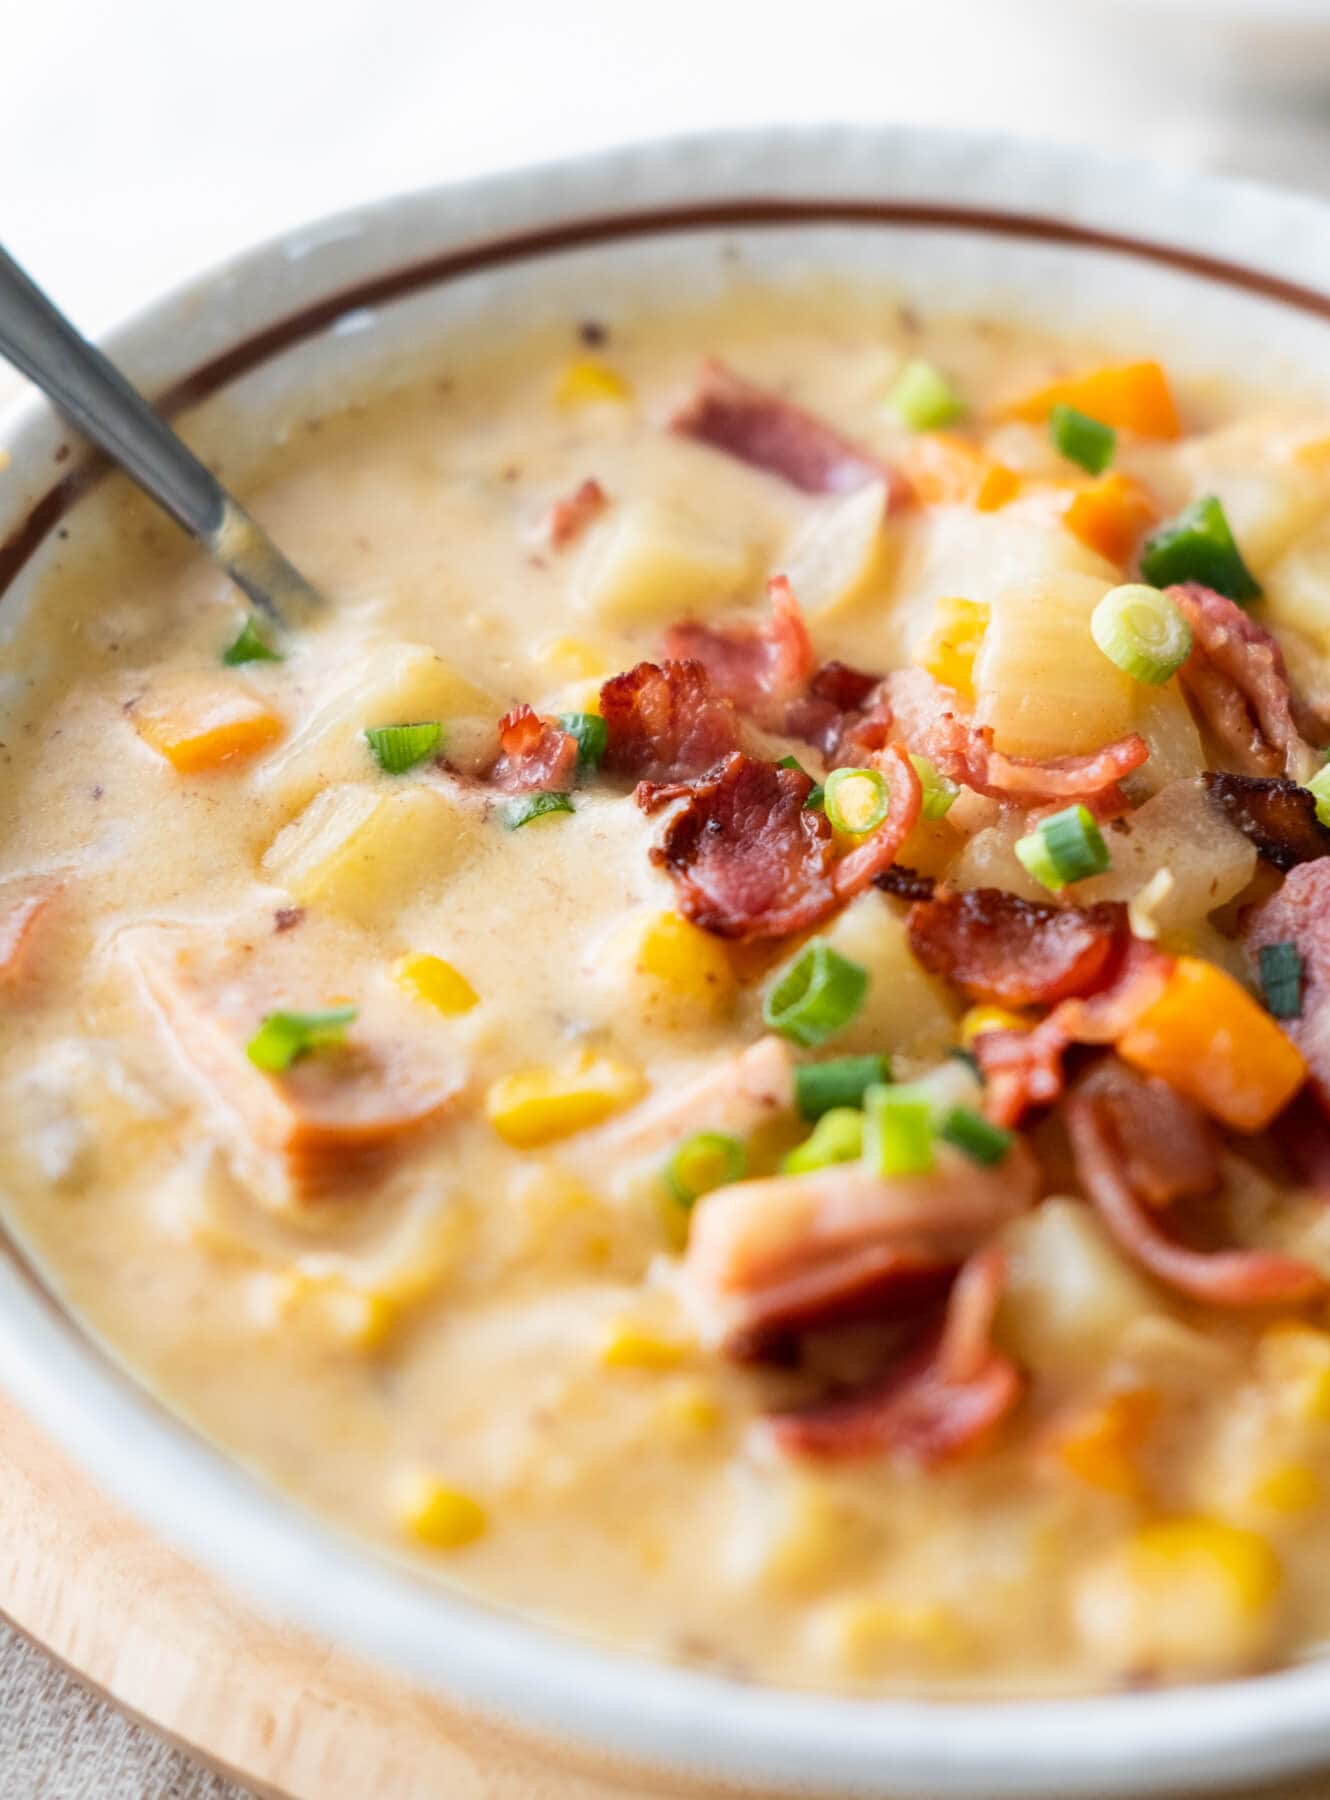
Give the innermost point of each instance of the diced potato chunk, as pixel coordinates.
(1294, 1360)
(1069, 1294)
(397, 684)
(905, 1009)
(1297, 588)
(438, 1516)
(358, 846)
(1271, 494)
(650, 560)
(837, 552)
(1178, 830)
(201, 723)
(869, 1637)
(1041, 683)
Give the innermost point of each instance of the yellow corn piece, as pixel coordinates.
(539, 1105)
(1100, 1445)
(629, 1345)
(1177, 1553)
(436, 982)
(869, 1637)
(587, 383)
(200, 725)
(1295, 1360)
(688, 1410)
(1290, 1487)
(980, 1019)
(956, 639)
(359, 1318)
(692, 964)
(439, 1516)
(575, 656)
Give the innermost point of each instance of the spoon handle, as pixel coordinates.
(94, 396)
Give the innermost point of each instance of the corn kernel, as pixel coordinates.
(688, 1409)
(1100, 1445)
(1289, 1487)
(359, 1318)
(438, 1516)
(631, 1346)
(575, 657)
(1295, 1359)
(870, 1637)
(691, 963)
(589, 383)
(436, 982)
(949, 653)
(539, 1105)
(980, 1019)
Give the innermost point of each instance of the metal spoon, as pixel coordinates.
(94, 396)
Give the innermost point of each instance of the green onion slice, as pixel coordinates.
(817, 794)
(1319, 789)
(816, 996)
(1081, 439)
(971, 1132)
(821, 1087)
(1281, 979)
(593, 736)
(838, 1137)
(397, 748)
(923, 398)
(1067, 847)
(898, 1131)
(1142, 631)
(283, 1037)
(708, 1159)
(527, 807)
(939, 794)
(1198, 546)
(250, 646)
(856, 800)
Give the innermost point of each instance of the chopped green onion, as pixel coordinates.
(1319, 789)
(1081, 439)
(1142, 631)
(856, 800)
(283, 1037)
(250, 646)
(1067, 847)
(708, 1159)
(818, 1087)
(817, 995)
(1198, 546)
(838, 1137)
(398, 748)
(592, 734)
(898, 1131)
(527, 807)
(923, 398)
(939, 794)
(1281, 979)
(971, 1132)
(817, 793)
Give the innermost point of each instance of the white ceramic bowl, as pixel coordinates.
(1209, 273)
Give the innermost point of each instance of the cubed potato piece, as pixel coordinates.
(1297, 588)
(395, 685)
(358, 846)
(1041, 683)
(1069, 1294)
(1271, 492)
(1207, 858)
(905, 1010)
(1163, 718)
(838, 551)
(650, 560)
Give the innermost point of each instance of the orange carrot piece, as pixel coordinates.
(1130, 397)
(945, 470)
(1111, 515)
(198, 726)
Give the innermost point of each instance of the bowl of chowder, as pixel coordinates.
(699, 1114)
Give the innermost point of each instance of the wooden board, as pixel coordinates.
(287, 1716)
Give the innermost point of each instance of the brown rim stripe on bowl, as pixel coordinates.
(574, 234)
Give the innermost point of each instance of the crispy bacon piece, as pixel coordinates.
(769, 433)
(1300, 914)
(1110, 1145)
(1276, 815)
(763, 668)
(943, 1401)
(751, 861)
(1237, 681)
(568, 518)
(1303, 1134)
(794, 1252)
(906, 884)
(664, 722)
(838, 714)
(994, 946)
(535, 754)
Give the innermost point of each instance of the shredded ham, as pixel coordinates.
(1300, 914)
(1102, 1129)
(751, 861)
(535, 754)
(1237, 681)
(994, 946)
(664, 722)
(1276, 815)
(568, 518)
(942, 1401)
(769, 433)
(763, 668)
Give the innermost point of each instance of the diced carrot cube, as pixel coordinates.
(1130, 396)
(1207, 1037)
(197, 726)
(1110, 515)
(1100, 1445)
(945, 470)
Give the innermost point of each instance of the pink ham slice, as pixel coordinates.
(997, 947)
(763, 668)
(1236, 679)
(1300, 914)
(759, 428)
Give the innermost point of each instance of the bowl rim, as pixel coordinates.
(543, 1678)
